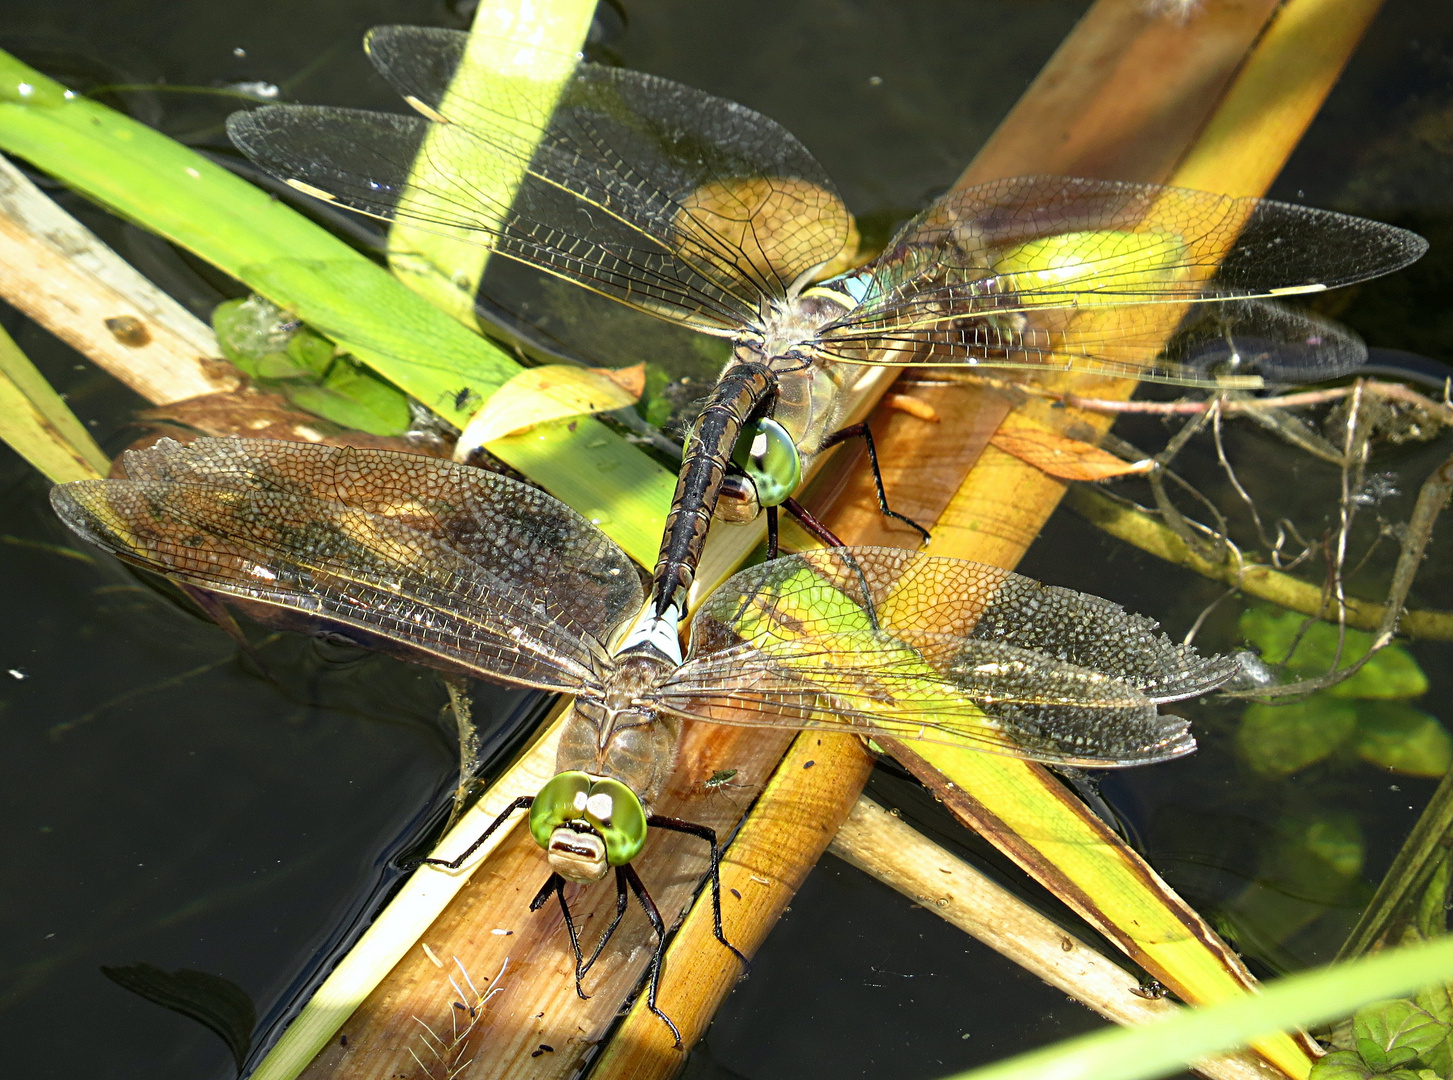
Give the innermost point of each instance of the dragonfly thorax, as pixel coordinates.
(620, 735)
(790, 328)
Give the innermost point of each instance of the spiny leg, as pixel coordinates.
(861, 429)
(622, 899)
(709, 835)
(638, 887)
(805, 518)
(772, 532)
(556, 885)
(524, 802)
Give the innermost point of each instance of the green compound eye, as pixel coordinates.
(562, 799)
(769, 457)
(607, 806)
(620, 819)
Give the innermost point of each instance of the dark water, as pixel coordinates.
(168, 804)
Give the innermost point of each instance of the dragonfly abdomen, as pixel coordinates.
(735, 398)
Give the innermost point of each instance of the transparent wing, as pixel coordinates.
(893, 643)
(1214, 344)
(454, 564)
(662, 197)
(1095, 275)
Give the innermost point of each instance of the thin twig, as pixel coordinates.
(1135, 525)
(1234, 404)
(1432, 498)
(1216, 435)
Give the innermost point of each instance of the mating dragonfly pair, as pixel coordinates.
(706, 214)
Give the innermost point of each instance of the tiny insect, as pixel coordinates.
(1150, 989)
(720, 782)
(464, 399)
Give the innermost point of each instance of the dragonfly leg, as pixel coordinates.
(1088, 789)
(213, 608)
(709, 835)
(524, 802)
(622, 899)
(639, 888)
(556, 885)
(772, 531)
(861, 429)
(811, 524)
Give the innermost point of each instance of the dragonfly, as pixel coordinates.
(475, 573)
(710, 216)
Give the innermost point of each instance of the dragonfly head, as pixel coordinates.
(587, 824)
(769, 471)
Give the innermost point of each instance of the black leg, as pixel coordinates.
(639, 888)
(708, 834)
(556, 885)
(524, 802)
(861, 429)
(214, 609)
(622, 898)
(772, 531)
(811, 524)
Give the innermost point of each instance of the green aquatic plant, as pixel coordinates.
(277, 352)
(1399, 1039)
(1366, 714)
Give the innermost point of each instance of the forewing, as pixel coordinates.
(453, 563)
(896, 643)
(1094, 275)
(670, 200)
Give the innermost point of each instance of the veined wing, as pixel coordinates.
(450, 564)
(1080, 273)
(662, 197)
(894, 643)
(1235, 342)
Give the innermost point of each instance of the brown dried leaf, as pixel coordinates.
(1065, 458)
(251, 413)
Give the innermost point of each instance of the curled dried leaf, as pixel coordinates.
(1065, 458)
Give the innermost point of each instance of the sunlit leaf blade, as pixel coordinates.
(527, 73)
(540, 394)
(1161, 1049)
(38, 425)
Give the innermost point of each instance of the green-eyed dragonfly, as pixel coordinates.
(706, 214)
(476, 573)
